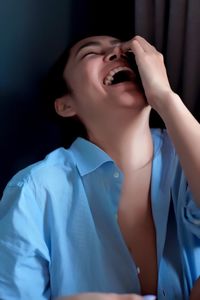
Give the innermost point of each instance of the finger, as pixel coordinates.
(132, 46)
(127, 46)
(146, 46)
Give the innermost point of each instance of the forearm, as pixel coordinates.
(184, 131)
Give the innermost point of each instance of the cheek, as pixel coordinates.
(86, 83)
(91, 70)
(80, 79)
(85, 80)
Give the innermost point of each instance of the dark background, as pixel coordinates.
(33, 34)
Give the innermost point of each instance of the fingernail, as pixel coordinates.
(149, 297)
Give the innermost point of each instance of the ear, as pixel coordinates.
(64, 106)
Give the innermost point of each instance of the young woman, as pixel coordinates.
(118, 211)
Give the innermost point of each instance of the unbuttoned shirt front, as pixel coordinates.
(59, 233)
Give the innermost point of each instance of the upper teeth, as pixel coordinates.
(109, 78)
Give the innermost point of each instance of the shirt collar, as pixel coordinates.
(88, 156)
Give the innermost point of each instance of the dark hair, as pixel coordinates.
(56, 86)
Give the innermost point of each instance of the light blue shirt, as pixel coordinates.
(59, 233)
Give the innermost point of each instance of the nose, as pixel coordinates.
(114, 53)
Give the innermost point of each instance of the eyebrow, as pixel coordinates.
(95, 43)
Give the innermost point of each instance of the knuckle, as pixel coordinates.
(160, 55)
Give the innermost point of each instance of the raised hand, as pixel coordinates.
(152, 70)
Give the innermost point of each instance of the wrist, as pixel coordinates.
(166, 103)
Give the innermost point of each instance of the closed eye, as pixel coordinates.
(90, 53)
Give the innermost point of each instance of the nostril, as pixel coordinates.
(112, 57)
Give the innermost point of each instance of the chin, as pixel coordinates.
(134, 99)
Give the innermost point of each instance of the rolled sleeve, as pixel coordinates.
(24, 256)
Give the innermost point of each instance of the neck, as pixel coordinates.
(127, 140)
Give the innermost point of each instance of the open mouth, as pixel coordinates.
(119, 75)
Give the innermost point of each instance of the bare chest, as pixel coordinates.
(137, 228)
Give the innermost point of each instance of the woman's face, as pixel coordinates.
(91, 73)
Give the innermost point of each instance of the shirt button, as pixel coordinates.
(116, 174)
(138, 270)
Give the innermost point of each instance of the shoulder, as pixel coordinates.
(52, 167)
(42, 183)
(42, 180)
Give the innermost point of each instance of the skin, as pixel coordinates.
(112, 115)
(102, 296)
(117, 117)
